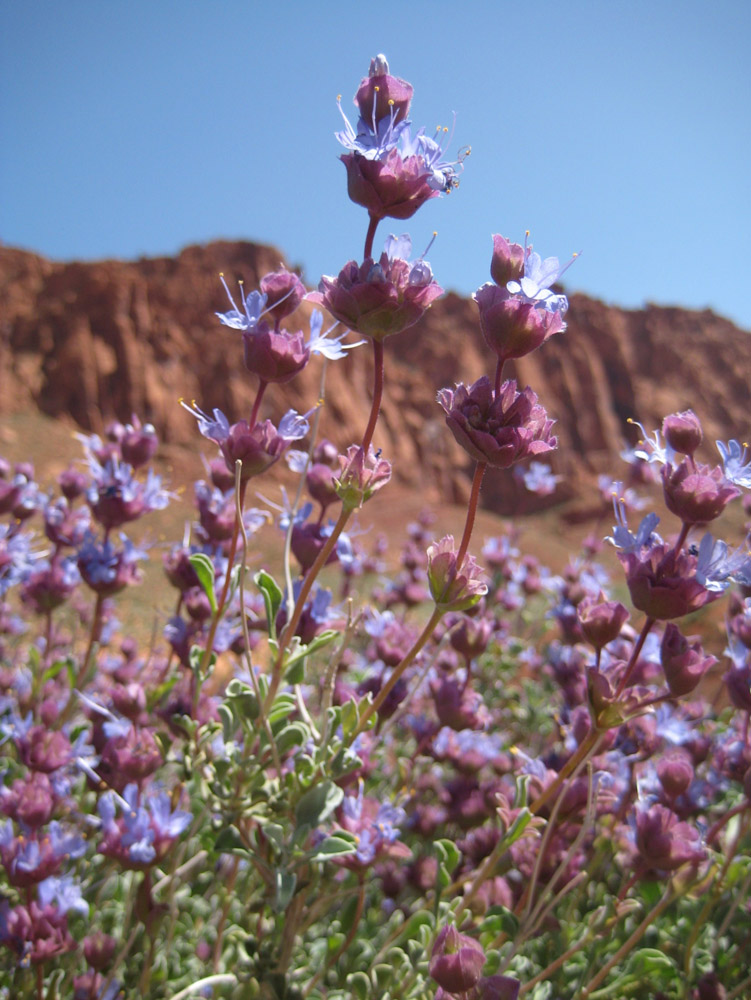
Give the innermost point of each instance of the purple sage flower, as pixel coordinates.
(380, 298)
(497, 429)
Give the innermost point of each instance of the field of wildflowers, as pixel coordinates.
(469, 778)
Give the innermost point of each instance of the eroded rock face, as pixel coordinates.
(99, 341)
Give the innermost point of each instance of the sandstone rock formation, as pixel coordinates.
(99, 341)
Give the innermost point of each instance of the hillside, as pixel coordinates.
(97, 341)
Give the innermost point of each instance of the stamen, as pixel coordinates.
(432, 241)
(564, 269)
(229, 293)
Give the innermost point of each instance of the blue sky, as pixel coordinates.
(620, 129)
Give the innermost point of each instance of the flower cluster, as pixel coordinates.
(392, 171)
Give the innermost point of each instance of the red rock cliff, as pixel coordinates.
(99, 341)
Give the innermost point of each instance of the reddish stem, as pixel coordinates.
(377, 395)
(370, 236)
(257, 404)
(397, 672)
(718, 824)
(498, 375)
(685, 528)
(646, 628)
(474, 498)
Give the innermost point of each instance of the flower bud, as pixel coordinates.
(72, 483)
(274, 356)
(709, 987)
(738, 683)
(683, 664)
(497, 988)
(606, 710)
(30, 800)
(471, 638)
(453, 587)
(257, 447)
(457, 706)
(676, 772)
(99, 949)
(284, 292)
(307, 541)
(507, 262)
(381, 95)
(320, 481)
(601, 620)
(682, 431)
(456, 961)
(197, 604)
(663, 842)
(139, 443)
(326, 453)
(360, 478)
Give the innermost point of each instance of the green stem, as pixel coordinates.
(307, 586)
(584, 751)
(397, 672)
(263, 718)
(627, 946)
(96, 626)
(344, 945)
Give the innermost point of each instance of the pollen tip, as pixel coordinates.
(526, 232)
(391, 102)
(221, 274)
(181, 399)
(338, 97)
(376, 89)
